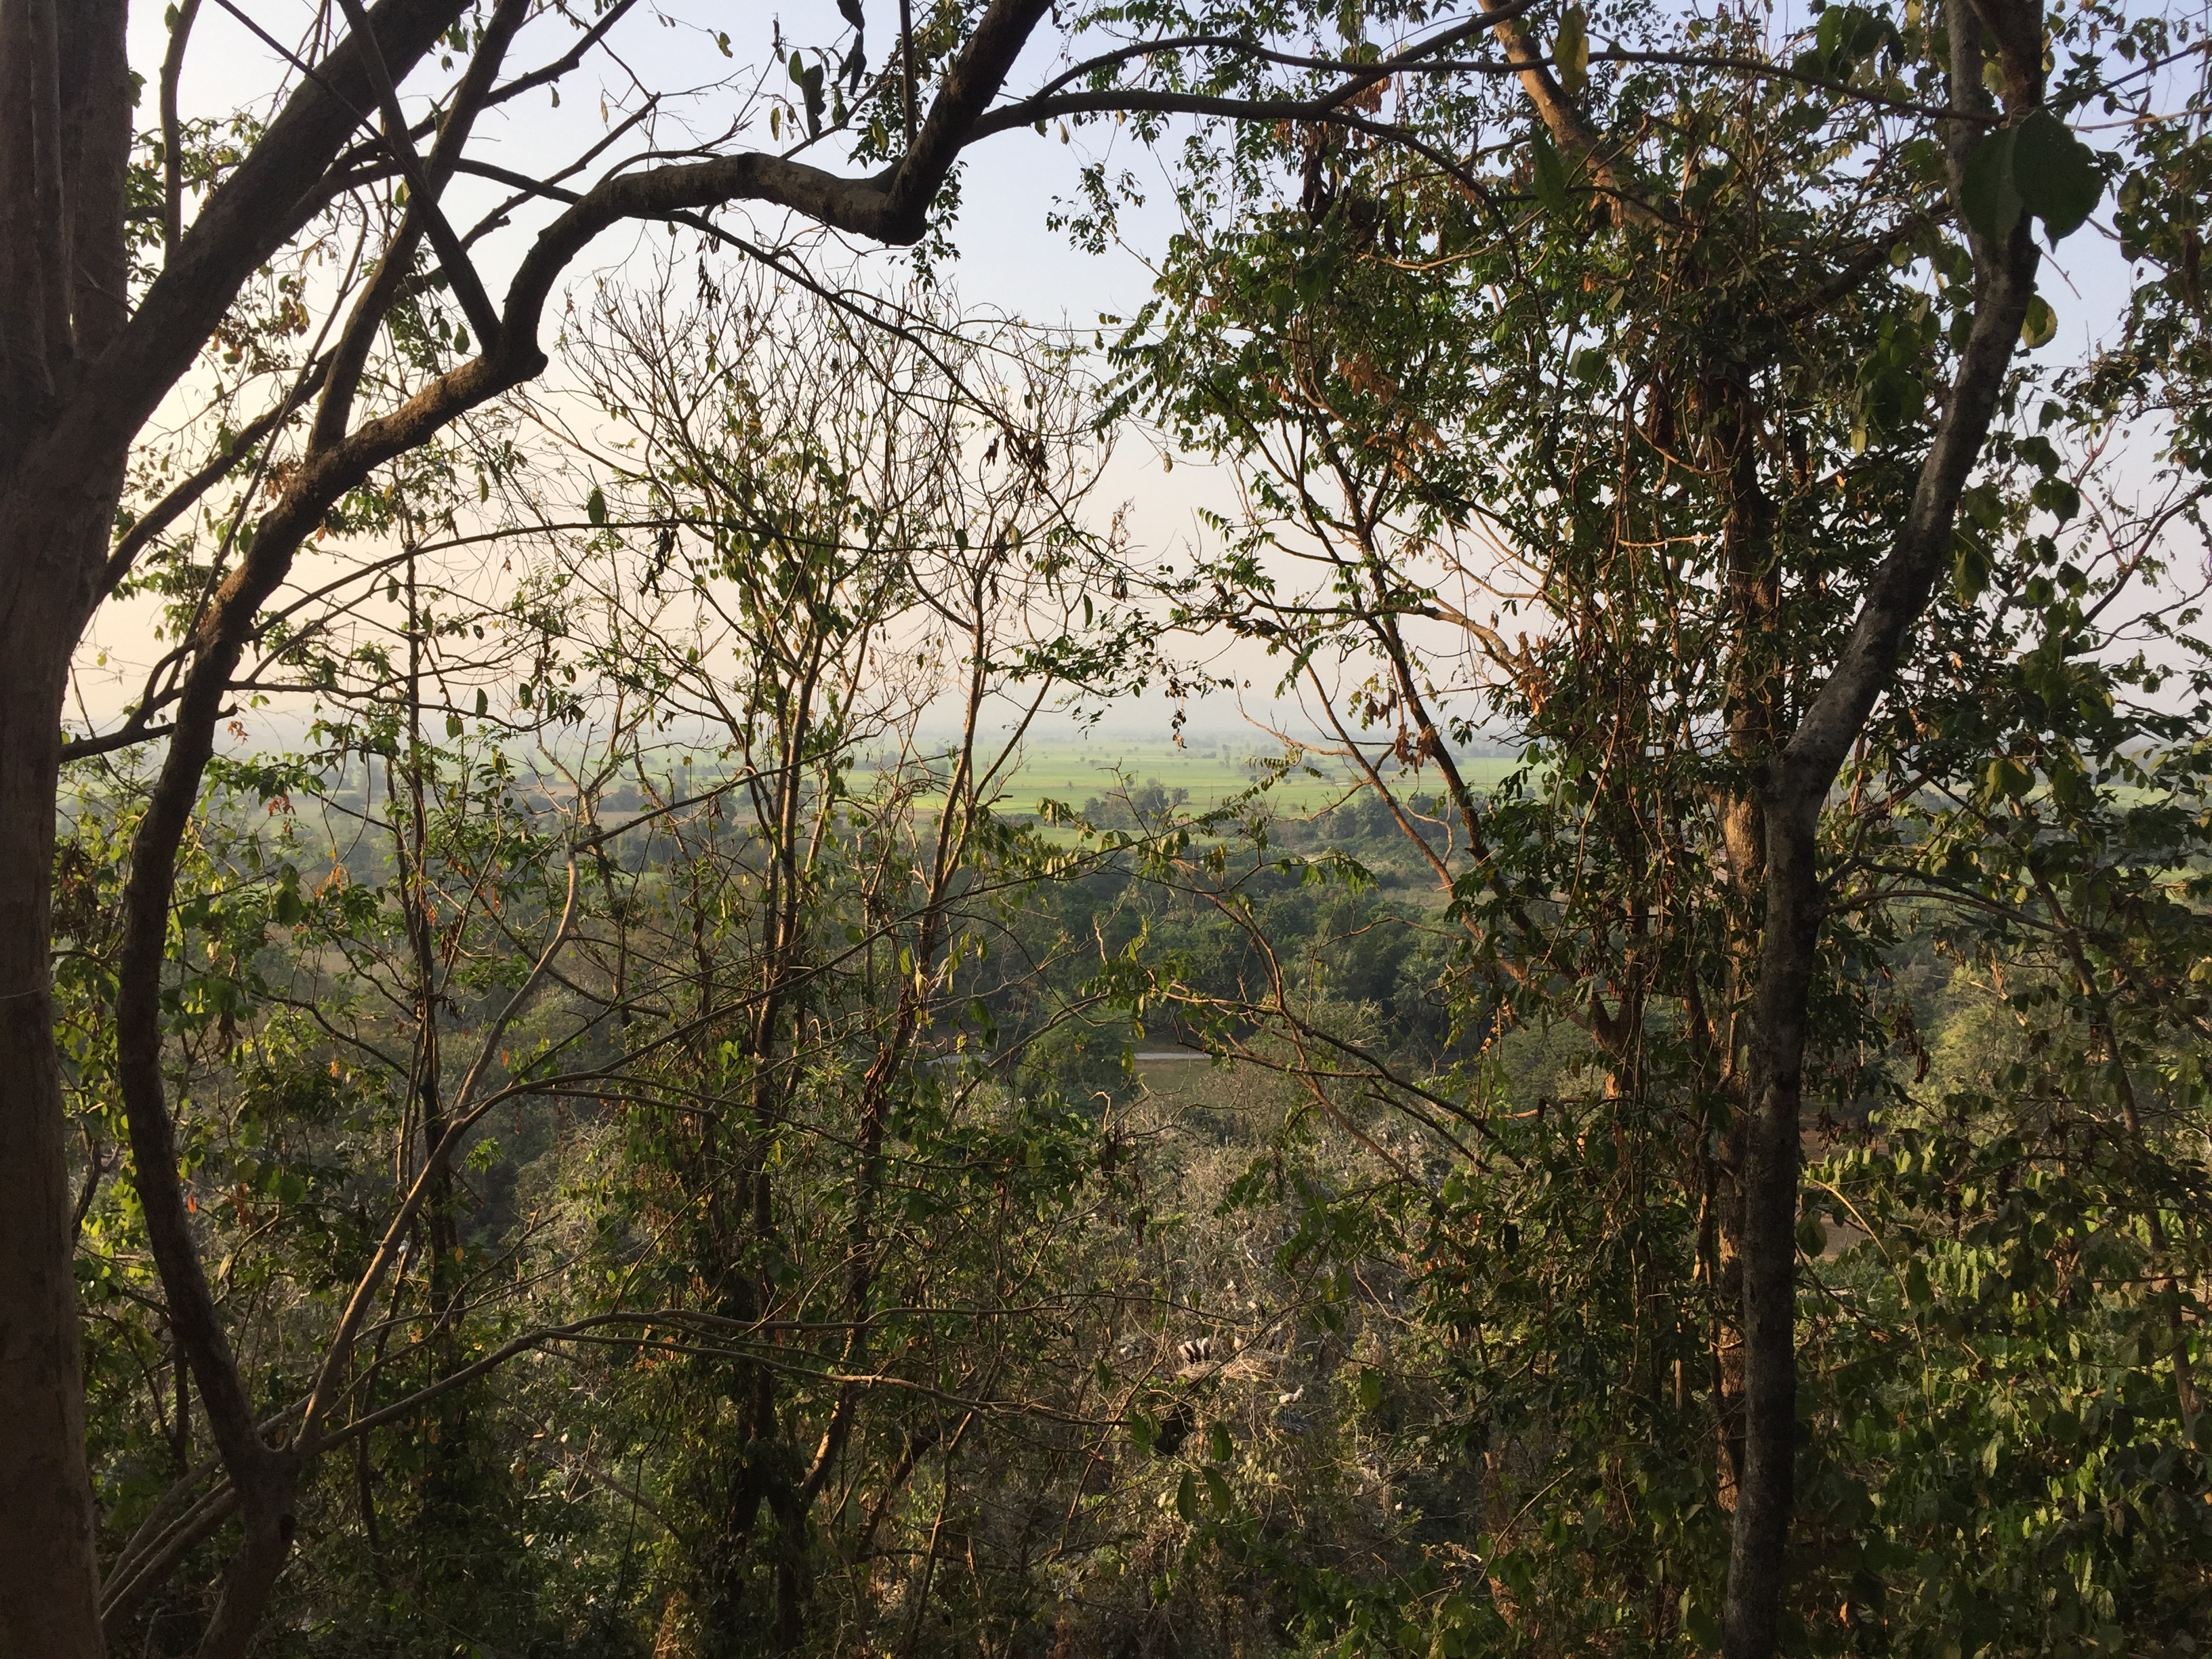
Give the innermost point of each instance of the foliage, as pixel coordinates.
(839, 1208)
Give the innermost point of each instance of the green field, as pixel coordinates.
(1210, 771)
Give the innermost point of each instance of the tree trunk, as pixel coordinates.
(1766, 1488)
(1754, 710)
(65, 138)
(1793, 788)
(49, 1574)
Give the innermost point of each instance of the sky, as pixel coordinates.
(1010, 261)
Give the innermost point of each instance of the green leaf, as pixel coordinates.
(2056, 174)
(1988, 196)
(595, 506)
(1216, 1491)
(1551, 176)
(809, 84)
(1917, 1290)
(1969, 568)
(1983, 504)
(1187, 1497)
(483, 702)
(2057, 497)
(1370, 1388)
(1699, 1622)
(1571, 48)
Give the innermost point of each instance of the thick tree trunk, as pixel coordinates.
(45, 1494)
(49, 1574)
(64, 137)
(1767, 1487)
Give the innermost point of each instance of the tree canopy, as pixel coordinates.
(672, 1110)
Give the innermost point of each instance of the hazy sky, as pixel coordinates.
(1009, 260)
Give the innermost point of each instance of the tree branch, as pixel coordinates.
(395, 267)
(172, 157)
(173, 505)
(423, 190)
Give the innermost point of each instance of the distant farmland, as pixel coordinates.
(1210, 772)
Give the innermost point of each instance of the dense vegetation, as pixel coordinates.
(1664, 1114)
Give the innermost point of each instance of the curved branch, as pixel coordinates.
(131, 732)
